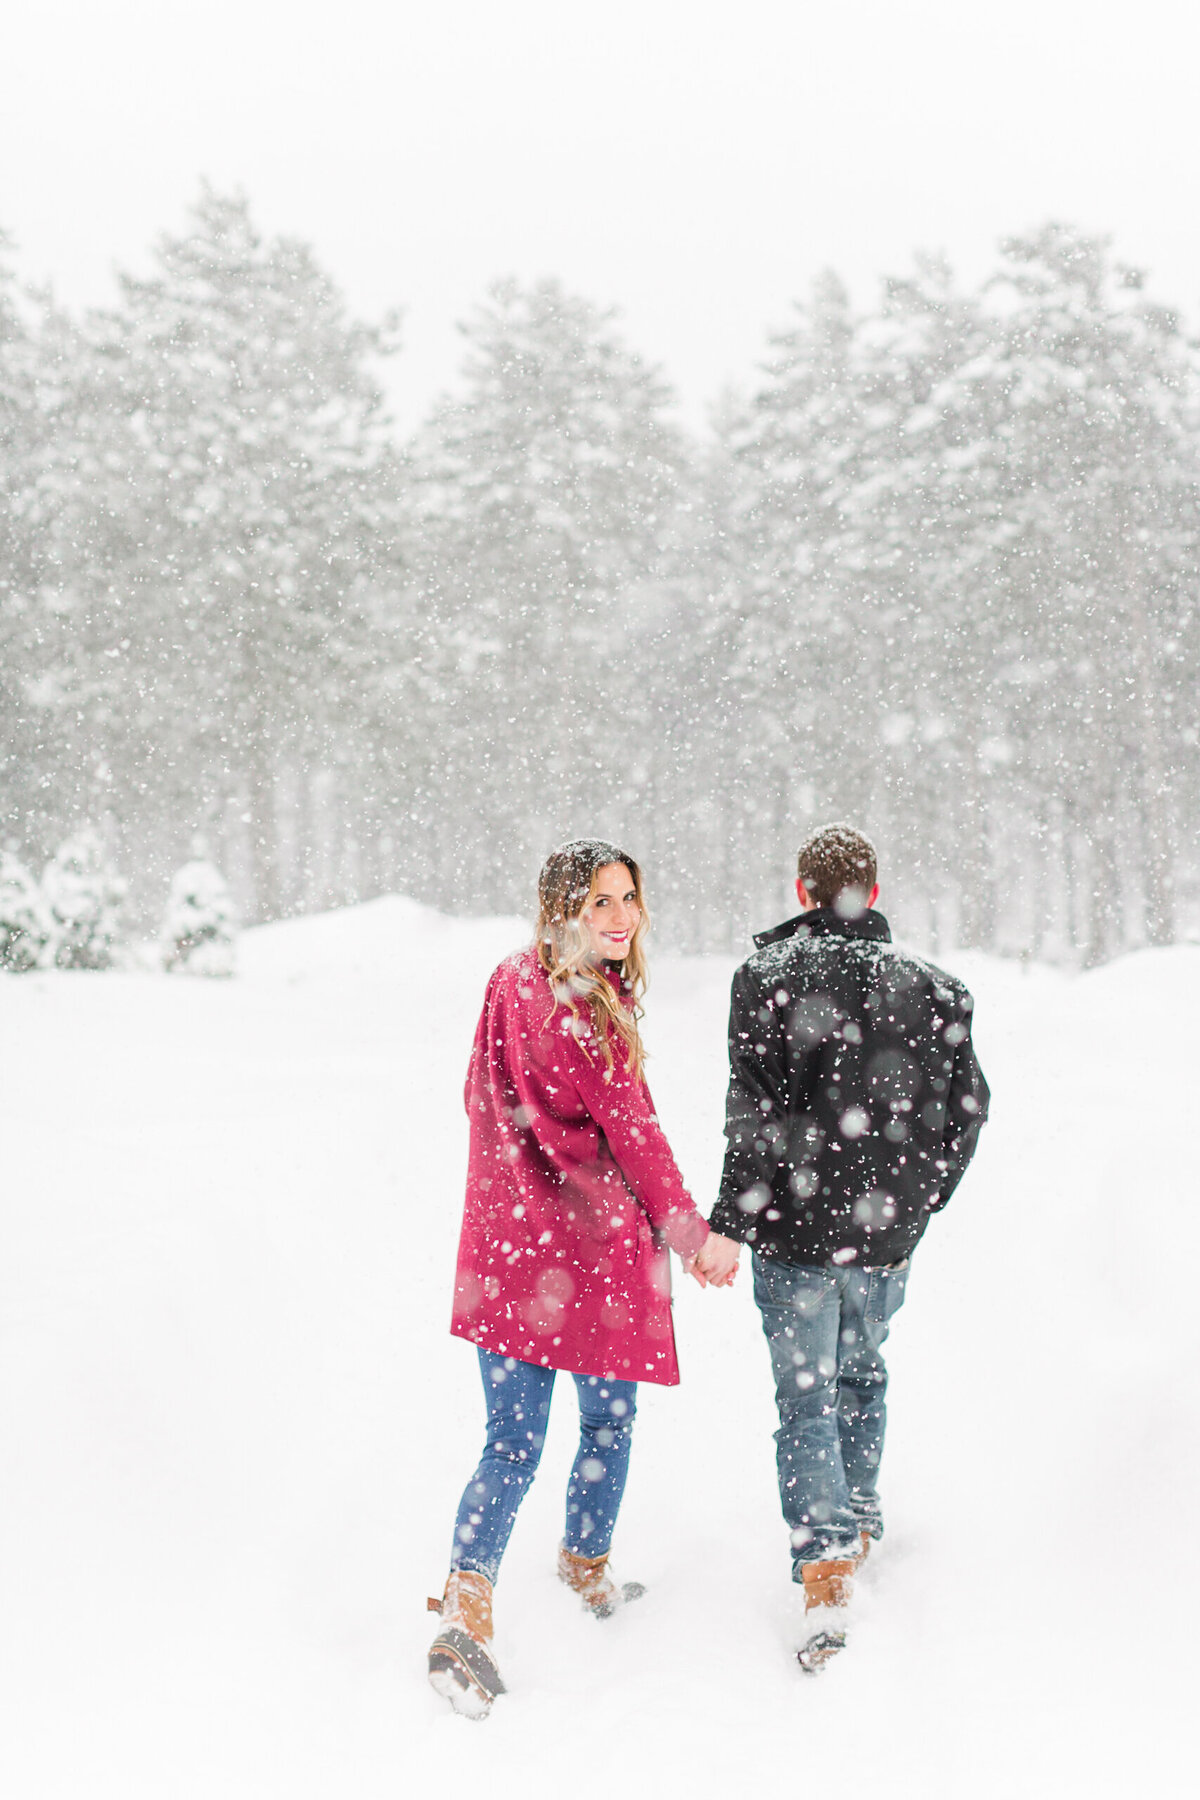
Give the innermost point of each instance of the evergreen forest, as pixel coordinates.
(936, 570)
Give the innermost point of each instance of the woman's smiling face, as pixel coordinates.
(612, 913)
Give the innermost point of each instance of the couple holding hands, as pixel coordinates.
(855, 1101)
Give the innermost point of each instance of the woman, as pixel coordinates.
(572, 1194)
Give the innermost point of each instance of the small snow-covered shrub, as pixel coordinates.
(24, 925)
(84, 896)
(199, 932)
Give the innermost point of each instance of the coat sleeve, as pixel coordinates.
(620, 1105)
(966, 1106)
(475, 1062)
(756, 1136)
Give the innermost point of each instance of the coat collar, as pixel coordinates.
(613, 973)
(824, 921)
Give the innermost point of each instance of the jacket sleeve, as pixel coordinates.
(620, 1105)
(966, 1106)
(755, 1109)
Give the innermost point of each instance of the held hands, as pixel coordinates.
(716, 1262)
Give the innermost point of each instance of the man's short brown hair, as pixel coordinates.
(834, 859)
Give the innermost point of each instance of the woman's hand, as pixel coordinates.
(716, 1262)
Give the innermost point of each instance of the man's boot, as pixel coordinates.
(588, 1577)
(828, 1587)
(461, 1665)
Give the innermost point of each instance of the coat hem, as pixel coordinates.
(564, 1363)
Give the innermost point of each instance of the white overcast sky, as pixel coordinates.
(694, 162)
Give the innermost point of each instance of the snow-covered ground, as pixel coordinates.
(233, 1426)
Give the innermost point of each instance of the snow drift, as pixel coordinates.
(236, 1427)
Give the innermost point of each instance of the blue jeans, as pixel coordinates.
(518, 1409)
(825, 1329)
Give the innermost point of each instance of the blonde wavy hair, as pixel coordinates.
(565, 886)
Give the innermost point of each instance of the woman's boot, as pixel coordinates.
(588, 1577)
(461, 1666)
(828, 1587)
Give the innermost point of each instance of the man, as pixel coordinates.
(855, 1102)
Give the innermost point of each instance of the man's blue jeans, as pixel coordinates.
(825, 1328)
(518, 1409)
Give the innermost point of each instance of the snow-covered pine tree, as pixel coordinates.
(84, 898)
(199, 932)
(24, 926)
(547, 503)
(798, 609)
(1103, 505)
(31, 739)
(226, 543)
(930, 518)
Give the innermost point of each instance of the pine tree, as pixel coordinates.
(199, 932)
(30, 716)
(85, 899)
(24, 925)
(230, 438)
(798, 606)
(932, 511)
(1105, 514)
(547, 502)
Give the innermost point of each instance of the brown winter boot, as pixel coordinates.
(829, 1583)
(461, 1666)
(827, 1590)
(588, 1577)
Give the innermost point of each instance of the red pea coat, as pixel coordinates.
(573, 1194)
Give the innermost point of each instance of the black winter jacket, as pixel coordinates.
(855, 1099)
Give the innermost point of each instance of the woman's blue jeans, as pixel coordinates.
(518, 1410)
(825, 1328)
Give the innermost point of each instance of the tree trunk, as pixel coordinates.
(260, 805)
(1105, 895)
(1155, 833)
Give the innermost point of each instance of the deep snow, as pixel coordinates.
(235, 1427)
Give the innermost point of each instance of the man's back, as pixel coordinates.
(855, 1097)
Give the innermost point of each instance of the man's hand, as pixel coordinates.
(716, 1262)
